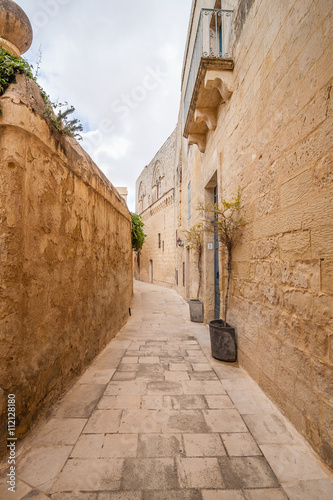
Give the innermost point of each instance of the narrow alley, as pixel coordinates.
(155, 417)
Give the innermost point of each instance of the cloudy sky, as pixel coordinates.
(118, 63)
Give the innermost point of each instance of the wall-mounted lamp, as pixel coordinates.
(179, 242)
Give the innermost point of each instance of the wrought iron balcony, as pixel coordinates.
(210, 80)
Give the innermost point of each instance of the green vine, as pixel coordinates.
(10, 66)
(138, 236)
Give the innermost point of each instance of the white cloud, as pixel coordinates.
(119, 64)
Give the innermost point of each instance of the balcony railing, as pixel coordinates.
(213, 42)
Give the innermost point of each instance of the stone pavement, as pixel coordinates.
(155, 417)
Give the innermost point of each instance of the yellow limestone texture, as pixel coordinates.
(271, 135)
(66, 257)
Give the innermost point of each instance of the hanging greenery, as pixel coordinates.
(138, 236)
(10, 66)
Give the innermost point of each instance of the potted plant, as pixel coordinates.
(194, 240)
(224, 219)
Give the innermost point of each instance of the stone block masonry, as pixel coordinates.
(66, 258)
(273, 139)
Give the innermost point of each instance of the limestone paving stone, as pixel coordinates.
(201, 367)
(141, 421)
(172, 495)
(130, 387)
(178, 367)
(120, 376)
(160, 445)
(164, 388)
(203, 387)
(119, 402)
(41, 465)
(268, 494)
(88, 446)
(203, 375)
(223, 495)
(60, 431)
(101, 495)
(268, 429)
(36, 495)
(119, 446)
(227, 420)
(90, 475)
(109, 358)
(127, 368)
(153, 402)
(247, 472)
(21, 489)
(133, 352)
(103, 421)
(74, 409)
(240, 444)
(291, 462)
(185, 421)
(219, 402)
(185, 402)
(249, 401)
(95, 376)
(129, 360)
(199, 473)
(149, 474)
(153, 360)
(203, 445)
(176, 376)
(309, 490)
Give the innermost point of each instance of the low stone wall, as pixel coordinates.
(66, 258)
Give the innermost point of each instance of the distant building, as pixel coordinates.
(256, 113)
(123, 191)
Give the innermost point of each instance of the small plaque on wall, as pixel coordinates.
(209, 246)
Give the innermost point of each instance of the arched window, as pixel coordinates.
(141, 195)
(158, 175)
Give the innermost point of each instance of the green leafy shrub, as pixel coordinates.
(138, 236)
(10, 66)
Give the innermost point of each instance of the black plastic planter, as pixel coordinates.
(223, 341)
(196, 310)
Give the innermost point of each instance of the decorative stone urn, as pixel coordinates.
(15, 28)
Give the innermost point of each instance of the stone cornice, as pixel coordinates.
(165, 200)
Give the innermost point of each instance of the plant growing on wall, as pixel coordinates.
(194, 240)
(225, 220)
(10, 66)
(138, 236)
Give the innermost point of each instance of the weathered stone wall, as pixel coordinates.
(274, 140)
(66, 257)
(156, 262)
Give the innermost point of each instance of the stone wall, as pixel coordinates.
(274, 139)
(66, 258)
(156, 262)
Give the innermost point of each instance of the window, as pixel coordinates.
(183, 273)
(189, 201)
(159, 240)
(163, 246)
(177, 277)
(158, 190)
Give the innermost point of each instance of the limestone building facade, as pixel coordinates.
(256, 114)
(155, 203)
(66, 276)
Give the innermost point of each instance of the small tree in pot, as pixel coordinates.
(225, 220)
(194, 240)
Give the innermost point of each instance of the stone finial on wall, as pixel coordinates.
(15, 28)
